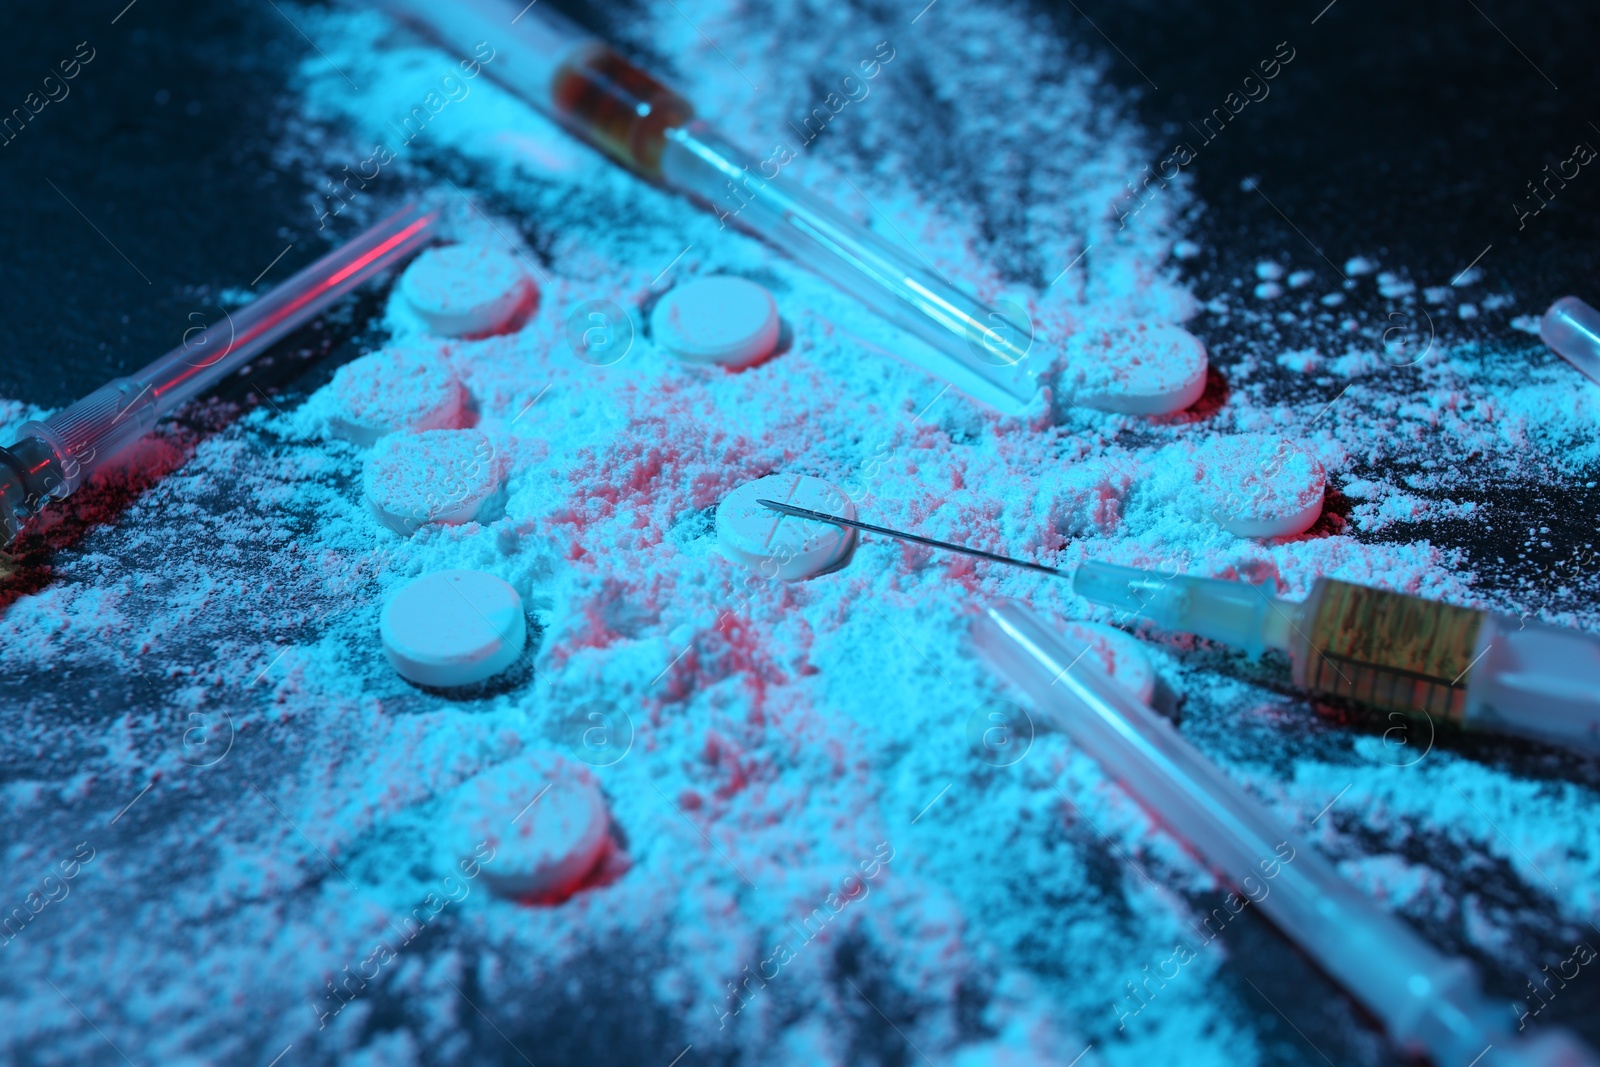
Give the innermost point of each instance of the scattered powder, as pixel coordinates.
(1303, 361)
(760, 746)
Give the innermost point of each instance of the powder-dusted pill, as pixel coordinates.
(467, 290)
(1135, 370)
(531, 828)
(442, 476)
(1258, 485)
(404, 387)
(1121, 656)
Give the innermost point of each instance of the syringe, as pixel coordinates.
(1428, 1002)
(1383, 650)
(1572, 328)
(603, 98)
(1389, 651)
(52, 458)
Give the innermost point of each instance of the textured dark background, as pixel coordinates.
(1403, 131)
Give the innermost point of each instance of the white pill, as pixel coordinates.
(441, 476)
(533, 827)
(720, 319)
(1258, 485)
(453, 628)
(1138, 370)
(1117, 654)
(467, 290)
(782, 546)
(394, 389)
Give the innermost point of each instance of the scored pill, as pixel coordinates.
(783, 546)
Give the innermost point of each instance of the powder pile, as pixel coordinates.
(813, 864)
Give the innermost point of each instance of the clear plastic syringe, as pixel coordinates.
(605, 99)
(1383, 650)
(52, 457)
(1572, 328)
(1428, 1002)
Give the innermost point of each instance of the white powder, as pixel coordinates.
(757, 742)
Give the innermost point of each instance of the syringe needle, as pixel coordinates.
(837, 520)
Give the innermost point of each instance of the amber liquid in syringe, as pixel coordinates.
(620, 107)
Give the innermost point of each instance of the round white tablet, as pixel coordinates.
(441, 476)
(533, 827)
(393, 389)
(466, 290)
(782, 546)
(719, 319)
(1259, 485)
(1119, 655)
(1135, 370)
(453, 628)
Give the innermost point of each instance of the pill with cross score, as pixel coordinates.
(784, 546)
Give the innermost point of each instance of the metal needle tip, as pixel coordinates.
(839, 520)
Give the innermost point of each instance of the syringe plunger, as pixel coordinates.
(1428, 1002)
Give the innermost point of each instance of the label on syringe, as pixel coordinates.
(1390, 651)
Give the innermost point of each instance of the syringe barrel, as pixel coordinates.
(530, 44)
(1572, 328)
(208, 354)
(53, 456)
(632, 116)
(1483, 671)
(1427, 1001)
(570, 75)
(986, 342)
(1388, 651)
